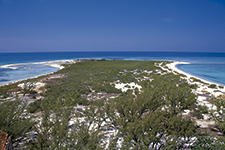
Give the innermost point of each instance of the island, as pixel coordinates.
(114, 104)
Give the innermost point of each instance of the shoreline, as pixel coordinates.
(13, 82)
(202, 88)
(54, 63)
(203, 92)
(58, 64)
(174, 68)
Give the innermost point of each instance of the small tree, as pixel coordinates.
(14, 120)
(52, 131)
(219, 114)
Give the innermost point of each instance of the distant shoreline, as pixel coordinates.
(58, 64)
(175, 68)
(54, 63)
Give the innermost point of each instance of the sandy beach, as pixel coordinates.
(54, 63)
(201, 86)
(173, 67)
(202, 89)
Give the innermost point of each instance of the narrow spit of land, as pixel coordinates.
(101, 104)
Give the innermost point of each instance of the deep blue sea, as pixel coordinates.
(209, 66)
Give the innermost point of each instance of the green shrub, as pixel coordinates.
(220, 86)
(193, 86)
(35, 106)
(199, 111)
(212, 86)
(208, 143)
(182, 75)
(197, 114)
(82, 101)
(136, 91)
(197, 80)
(33, 92)
(203, 109)
(47, 86)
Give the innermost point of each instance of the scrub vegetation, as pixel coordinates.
(84, 110)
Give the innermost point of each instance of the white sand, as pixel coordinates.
(54, 63)
(128, 86)
(174, 68)
(9, 66)
(201, 89)
(56, 66)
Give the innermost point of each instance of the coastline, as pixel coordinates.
(202, 87)
(58, 64)
(174, 68)
(54, 63)
(13, 82)
(203, 92)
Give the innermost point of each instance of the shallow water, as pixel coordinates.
(24, 72)
(210, 72)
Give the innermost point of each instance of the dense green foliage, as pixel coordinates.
(209, 143)
(219, 113)
(193, 86)
(34, 107)
(142, 120)
(155, 114)
(71, 117)
(94, 75)
(14, 119)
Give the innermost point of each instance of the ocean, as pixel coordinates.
(208, 66)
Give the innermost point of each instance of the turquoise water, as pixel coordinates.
(210, 66)
(210, 72)
(24, 72)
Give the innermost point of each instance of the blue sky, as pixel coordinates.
(112, 25)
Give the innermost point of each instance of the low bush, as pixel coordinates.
(35, 106)
(212, 86)
(221, 87)
(193, 86)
